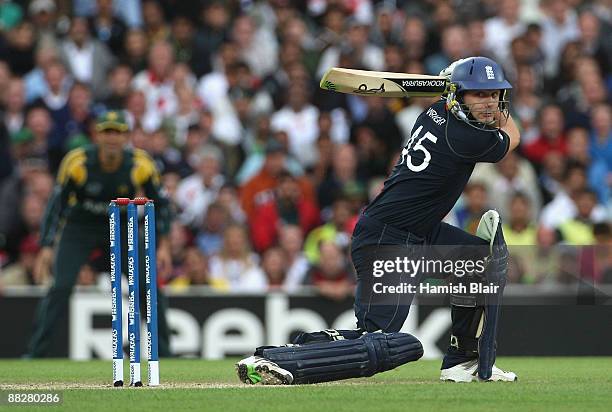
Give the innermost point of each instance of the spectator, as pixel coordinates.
(330, 276)
(274, 264)
(43, 14)
(10, 15)
(591, 92)
(21, 273)
(276, 83)
(291, 240)
(526, 102)
(5, 76)
(454, 47)
(263, 141)
(519, 230)
(70, 120)
(210, 34)
(295, 33)
(386, 30)
(299, 119)
(364, 53)
(108, 27)
(563, 207)
(135, 54)
(119, 82)
(559, 26)
(156, 82)
(23, 221)
(520, 233)
(578, 145)
(594, 42)
(87, 277)
(228, 198)
(563, 83)
(184, 44)
(342, 174)
(136, 113)
(195, 138)
(39, 122)
(88, 59)
(215, 85)
(551, 136)
(155, 26)
(288, 205)
(55, 94)
(511, 174)
(338, 230)
(601, 135)
(179, 242)
(170, 181)
(332, 30)
(21, 145)
(194, 271)
(14, 106)
(477, 39)
(500, 30)
(187, 113)
(234, 101)
(209, 238)
(476, 203)
(256, 46)
(381, 120)
(34, 81)
(196, 192)
(259, 188)
(20, 46)
(166, 157)
(579, 229)
(235, 267)
(414, 38)
(551, 176)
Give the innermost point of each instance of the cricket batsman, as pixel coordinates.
(76, 220)
(470, 124)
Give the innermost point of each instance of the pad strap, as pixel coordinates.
(327, 335)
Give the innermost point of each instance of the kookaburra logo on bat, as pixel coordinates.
(363, 89)
(423, 83)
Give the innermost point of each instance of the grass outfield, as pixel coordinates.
(559, 384)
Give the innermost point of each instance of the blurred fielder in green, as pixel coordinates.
(76, 221)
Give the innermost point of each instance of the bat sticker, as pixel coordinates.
(363, 89)
(329, 85)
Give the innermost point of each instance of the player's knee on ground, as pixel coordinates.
(346, 358)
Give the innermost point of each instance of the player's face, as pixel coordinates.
(483, 105)
(112, 141)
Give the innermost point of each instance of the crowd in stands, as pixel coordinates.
(266, 172)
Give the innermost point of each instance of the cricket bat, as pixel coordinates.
(384, 84)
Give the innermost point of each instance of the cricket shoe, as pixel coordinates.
(468, 372)
(255, 369)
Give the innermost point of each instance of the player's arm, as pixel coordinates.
(513, 133)
(72, 173)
